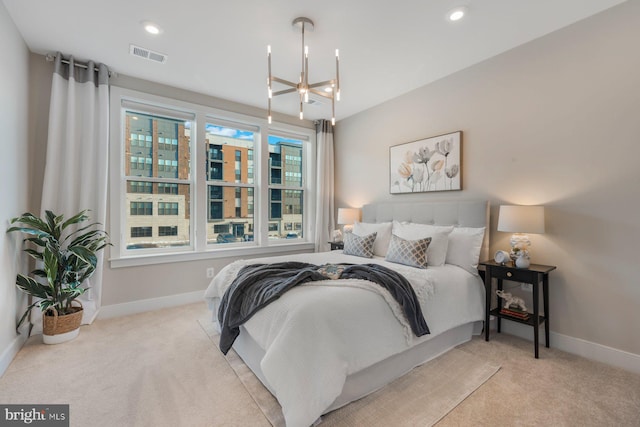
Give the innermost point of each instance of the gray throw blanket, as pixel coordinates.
(258, 285)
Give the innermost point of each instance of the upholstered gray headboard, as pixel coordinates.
(456, 213)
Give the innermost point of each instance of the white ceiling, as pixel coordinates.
(218, 48)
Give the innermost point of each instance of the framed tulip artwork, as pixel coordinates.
(426, 165)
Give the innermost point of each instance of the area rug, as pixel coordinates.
(420, 398)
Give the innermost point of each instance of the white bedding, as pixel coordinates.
(317, 334)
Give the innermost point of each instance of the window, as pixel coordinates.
(275, 204)
(221, 228)
(228, 187)
(141, 208)
(286, 196)
(167, 230)
(140, 231)
(140, 187)
(165, 208)
(188, 179)
(164, 188)
(158, 177)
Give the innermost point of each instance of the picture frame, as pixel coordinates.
(426, 165)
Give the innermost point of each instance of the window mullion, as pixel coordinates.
(200, 183)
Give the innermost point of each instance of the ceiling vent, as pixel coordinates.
(147, 54)
(314, 100)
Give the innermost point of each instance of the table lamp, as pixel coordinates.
(521, 220)
(347, 217)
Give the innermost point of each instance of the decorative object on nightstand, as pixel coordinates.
(523, 260)
(347, 217)
(510, 301)
(336, 236)
(521, 220)
(535, 274)
(502, 257)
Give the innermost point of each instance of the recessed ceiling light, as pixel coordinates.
(456, 13)
(151, 27)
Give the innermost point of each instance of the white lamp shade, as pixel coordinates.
(521, 219)
(348, 215)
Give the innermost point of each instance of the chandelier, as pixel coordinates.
(329, 89)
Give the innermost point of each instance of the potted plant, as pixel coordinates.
(64, 260)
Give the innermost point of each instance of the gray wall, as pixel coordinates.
(554, 122)
(14, 173)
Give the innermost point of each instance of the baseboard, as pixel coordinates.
(12, 349)
(140, 306)
(587, 349)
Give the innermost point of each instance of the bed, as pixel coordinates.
(324, 344)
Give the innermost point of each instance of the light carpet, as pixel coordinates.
(159, 369)
(420, 398)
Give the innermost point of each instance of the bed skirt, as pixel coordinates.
(372, 378)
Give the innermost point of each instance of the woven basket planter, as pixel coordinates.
(60, 328)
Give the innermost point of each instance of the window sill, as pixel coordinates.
(134, 261)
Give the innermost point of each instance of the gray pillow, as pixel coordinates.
(408, 252)
(359, 245)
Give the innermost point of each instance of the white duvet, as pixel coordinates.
(318, 333)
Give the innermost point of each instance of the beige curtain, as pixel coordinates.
(76, 170)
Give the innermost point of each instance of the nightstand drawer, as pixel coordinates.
(513, 274)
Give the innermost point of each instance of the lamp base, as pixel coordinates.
(521, 242)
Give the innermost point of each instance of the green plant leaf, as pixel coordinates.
(27, 230)
(79, 217)
(86, 255)
(89, 236)
(52, 224)
(32, 287)
(33, 253)
(37, 241)
(51, 266)
(24, 316)
(33, 221)
(39, 272)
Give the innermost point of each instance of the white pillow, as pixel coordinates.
(465, 244)
(383, 237)
(437, 250)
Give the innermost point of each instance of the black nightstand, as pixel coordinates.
(534, 275)
(336, 245)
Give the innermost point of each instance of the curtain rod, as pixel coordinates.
(50, 57)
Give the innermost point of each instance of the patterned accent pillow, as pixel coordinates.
(359, 245)
(408, 252)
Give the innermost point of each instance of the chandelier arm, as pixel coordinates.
(321, 93)
(324, 83)
(284, 82)
(283, 92)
